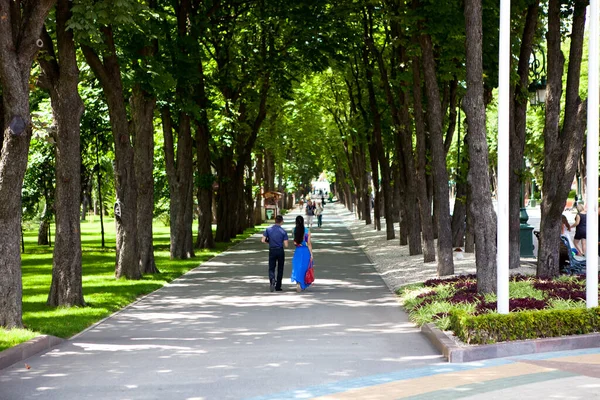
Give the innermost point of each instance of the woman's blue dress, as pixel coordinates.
(301, 262)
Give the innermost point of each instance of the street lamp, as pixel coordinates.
(537, 96)
(537, 73)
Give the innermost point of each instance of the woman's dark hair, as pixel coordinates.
(565, 222)
(299, 230)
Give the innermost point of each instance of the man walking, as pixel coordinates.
(277, 238)
(319, 214)
(310, 213)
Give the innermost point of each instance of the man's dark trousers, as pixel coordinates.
(276, 256)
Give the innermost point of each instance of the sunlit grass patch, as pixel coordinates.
(12, 337)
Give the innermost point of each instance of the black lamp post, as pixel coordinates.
(537, 96)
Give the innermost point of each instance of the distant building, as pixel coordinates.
(321, 185)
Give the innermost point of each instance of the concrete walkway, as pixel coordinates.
(218, 333)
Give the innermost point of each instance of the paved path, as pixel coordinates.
(217, 333)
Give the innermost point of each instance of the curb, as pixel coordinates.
(461, 354)
(27, 349)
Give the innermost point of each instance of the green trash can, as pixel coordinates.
(269, 212)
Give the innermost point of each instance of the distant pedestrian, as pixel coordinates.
(277, 238)
(580, 228)
(323, 200)
(310, 213)
(319, 213)
(303, 255)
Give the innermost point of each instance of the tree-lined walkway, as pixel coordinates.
(218, 333)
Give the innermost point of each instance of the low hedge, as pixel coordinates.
(493, 327)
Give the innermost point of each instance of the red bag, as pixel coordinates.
(309, 277)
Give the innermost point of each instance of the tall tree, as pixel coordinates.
(179, 152)
(479, 181)
(205, 239)
(518, 131)
(377, 134)
(562, 145)
(105, 65)
(62, 76)
(440, 173)
(421, 164)
(20, 27)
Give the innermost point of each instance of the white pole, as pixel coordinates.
(592, 161)
(503, 156)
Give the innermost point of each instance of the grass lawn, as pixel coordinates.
(103, 293)
(433, 300)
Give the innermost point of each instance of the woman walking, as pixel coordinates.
(302, 255)
(580, 228)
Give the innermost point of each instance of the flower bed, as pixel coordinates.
(539, 308)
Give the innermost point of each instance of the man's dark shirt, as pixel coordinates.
(276, 235)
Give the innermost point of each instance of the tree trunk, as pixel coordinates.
(1, 123)
(108, 73)
(16, 58)
(481, 199)
(469, 234)
(249, 197)
(67, 287)
(189, 216)
(269, 171)
(43, 231)
(142, 113)
(366, 199)
(227, 200)
(205, 238)
(397, 194)
(398, 117)
(421, 173)
(376, 190)
(258, 181)
(179, 174)
(517, 135)
(85, 204)
(440, 173)
(562, 147)
(405, 208)
(459, 214)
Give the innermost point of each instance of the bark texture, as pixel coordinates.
(205, 239)
(142, 113)
(19, 30)
(421, 175)
(479, 181)
(179, 173)
(440, 173)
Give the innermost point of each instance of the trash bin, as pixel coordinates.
(269, 212)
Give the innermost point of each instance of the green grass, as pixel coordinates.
(103, 293)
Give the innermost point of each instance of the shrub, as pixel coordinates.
(526, 303)
(492, 328)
